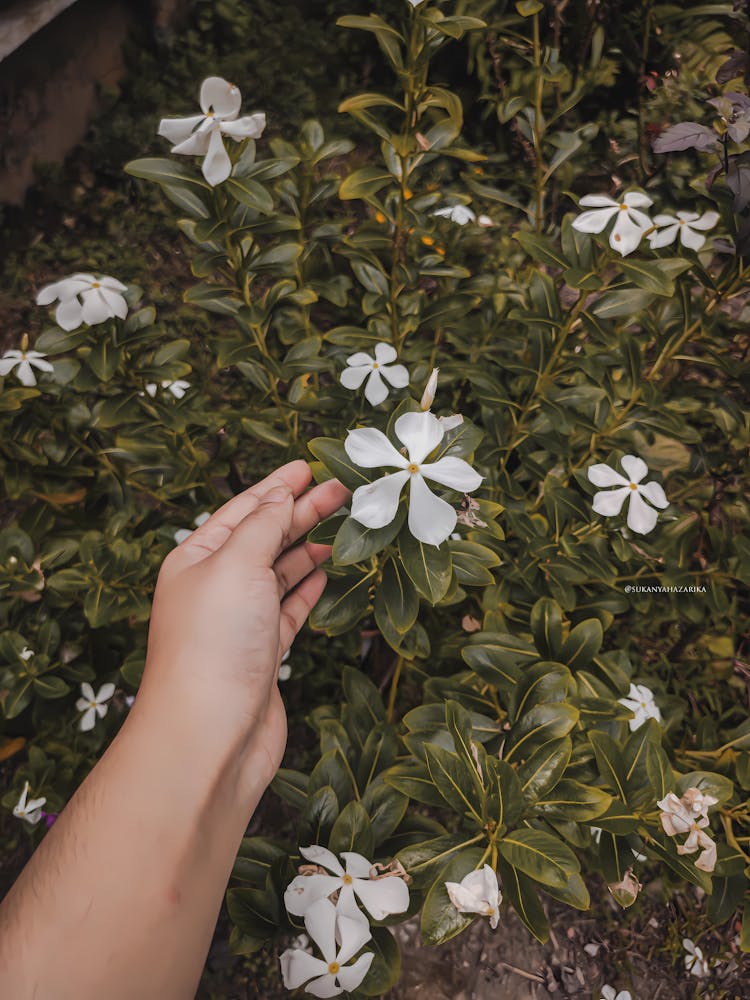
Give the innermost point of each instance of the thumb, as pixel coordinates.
(262, 534)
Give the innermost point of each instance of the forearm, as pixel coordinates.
(121, 898)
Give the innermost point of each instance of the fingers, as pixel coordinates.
(317, 504)
(295, 564)
(262, 534)
(297, 606)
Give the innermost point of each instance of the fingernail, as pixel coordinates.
(277, 494)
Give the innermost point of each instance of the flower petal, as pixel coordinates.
(353, 934)
(88, 720)
(7, 365)
(195, 144)
(635, 467)
(304, 890)
(112, 283)
(216, 165)
(385, 353)
(610, 502)
(221, 97)
(397, 375)
(706, 221)
(370, 449)
(177, 130)
(352, 378)
(352, 975)
(594, 221)
(431, 519)
(382, 896)
(598, 201)
(421, 433)
(637, 199)
(25, 374)
(604, 475)
(69, 314)
(105, 692)
(625, 235)
(298, 966)
(641, 517)
(376, 391)
(356, 865)
(95, 309)
(326, 986)
(320, 924)
(87, 691)
(318, 855)
(375, 504)
(360, 358)
(654, 493)
(453, 472)
(117, 304)
(247, 127)
(689, 238)
(463, 899)
(663, 237)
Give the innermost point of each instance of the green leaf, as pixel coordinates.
(251, 193)
(454, 780)
(527, 8)
(254, 860)
(365, 183)
(582, 645)
(440, 920)
(291, 786)
(396, 599)
(540, 855)
(609, 760)
(518, 889)
(352, 831)
(386, 808)
(548, 721)
(344, 601)
(48, 686)
(332, 454)
(572, 800)
(544, 768)
(428, 566)
(546, 627)
(471, 562)
(355, 543)
(413, 779)
(385, 969)
(318, 817)
(574, 893)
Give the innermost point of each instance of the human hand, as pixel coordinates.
(229, 601)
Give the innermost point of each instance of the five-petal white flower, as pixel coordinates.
(24, 362)
(640, 701)
(201, 135)
(431, 519)
(460, 214)
(93, 704)
(28, 809)
(641, 517)
(689, 225)
(182, 533)
(631, 224)
(339, 938)
(380, 896)
(477, 892)
(695, 962)
(84, 298)
(361, 366)
(178, 388)
(689, 815)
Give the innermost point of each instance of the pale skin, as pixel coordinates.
(121, 898)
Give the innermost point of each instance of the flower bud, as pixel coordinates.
(24, 343)
(428, 397)
(625, 892)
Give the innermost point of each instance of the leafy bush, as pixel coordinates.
(558, 656)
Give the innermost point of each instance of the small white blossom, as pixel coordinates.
(26, 653)
(182, 533)
(380, 896)
(689, 815)
(93, 705)
(640, 701)
(610, 993)
(201, 135)
(477, 892)
(24, 362)
(641, 517)
(695, 962)
(339, 937)
(84, 298)
(28, 809)
(689, 225)
(460, 214)
(285, 670)
(361, 366)
(178, 388)
(631, 224)
(431, 519)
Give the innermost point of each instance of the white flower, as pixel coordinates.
(689, 815)
(381, 897)
(640, 701)
(285, 671)
(178, 388)
(477, 892)
(485, 221)
(428, 396)
(431, 520)
(24, 362)
(609, 993)
(631, 223)
(201, 135)
(460, 214)
(85, 298)
(31, 810)
(689, 225)
(93, 704)
(695, 963)
(26, 653)
(641, 517)
(361, 366)
(182, 533)
(339, 938)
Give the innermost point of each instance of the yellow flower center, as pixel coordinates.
(333, 968)
(428, 241)
(95, 284)
(375, 365)
(634, 486)
(623, 208)
(413, 467)
(347, 879)
(682, 222)
(617, 237)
